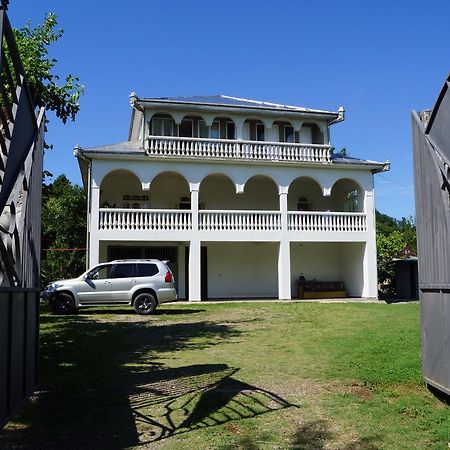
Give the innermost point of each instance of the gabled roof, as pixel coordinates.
(226, 100)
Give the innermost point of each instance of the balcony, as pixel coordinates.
(227, 221)
(183, 147)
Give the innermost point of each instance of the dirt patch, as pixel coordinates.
(362, 392)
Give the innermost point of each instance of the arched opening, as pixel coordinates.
(305, 194)
(310, 134)
(170, 190)
(260, 193)
(217, 191)
(122, 189)
(193, 126)
(347, 196)
(162, 125)
(253, 130)
(223, 128)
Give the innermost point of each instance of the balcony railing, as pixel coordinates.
(239, 220)
(144, 219)
(229, 220)
(326, 221)
(183, 147)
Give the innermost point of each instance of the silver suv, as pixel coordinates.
(142, 283)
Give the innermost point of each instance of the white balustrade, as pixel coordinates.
(144, 219)
(326, 221)
(229, 220)
(239, 220)
(184, 147)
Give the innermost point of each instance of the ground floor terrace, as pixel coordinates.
(216, 269)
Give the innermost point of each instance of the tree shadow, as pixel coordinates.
(130, 311)
(87, 370)
(175, 401)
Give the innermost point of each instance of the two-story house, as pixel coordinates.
(242, 196)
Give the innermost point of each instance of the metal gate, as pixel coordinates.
(21, 150)
(431, 135)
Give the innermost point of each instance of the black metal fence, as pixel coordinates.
(19, 329)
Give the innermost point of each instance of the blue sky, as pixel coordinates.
(378, 59)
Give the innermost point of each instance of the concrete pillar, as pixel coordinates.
(194, 271)
(93, 254)
(181, 271)
(370, 271)
(284, 270)
(283, 193)
(194, 206)
(93, 257)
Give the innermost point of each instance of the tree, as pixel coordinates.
(45, 86)
(63, 230)
(394, 239)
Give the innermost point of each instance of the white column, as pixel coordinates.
(284, 254)
(194, 206)
(284, 270)
(93, 251)
(370, 271)
(283, 193)
(194, 271)
(181, 271)
(93, 254)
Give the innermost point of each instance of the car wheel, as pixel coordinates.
(63, 304)
(145, 303)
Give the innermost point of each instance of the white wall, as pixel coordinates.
(328, 261)
(242, 270)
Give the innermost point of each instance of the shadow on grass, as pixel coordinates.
(87, 369)
(129, 311)
(177, 401)
(104, 385)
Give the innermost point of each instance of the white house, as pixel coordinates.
(241, 196)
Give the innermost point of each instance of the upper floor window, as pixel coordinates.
(162, 126)
(256, 131)
(220, 129)
(286, 133)
(186, 128)
(351, 201)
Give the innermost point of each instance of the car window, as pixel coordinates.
(100, 273)
(147, 270)
(122, 271)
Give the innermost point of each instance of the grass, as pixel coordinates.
(233, 376)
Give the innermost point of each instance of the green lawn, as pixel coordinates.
(230, 376)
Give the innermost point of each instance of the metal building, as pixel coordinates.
(431, 137)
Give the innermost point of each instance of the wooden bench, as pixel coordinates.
(321, 289)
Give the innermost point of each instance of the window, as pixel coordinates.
(202, 129)
(185, 203)
(256, 131)
(215, 130)
(302, 204)
(230, 130)
(122, 271)
(288, 133)
(351, 201)
(146, 270)
(186, 128)
(162, 126)
(100, 273)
